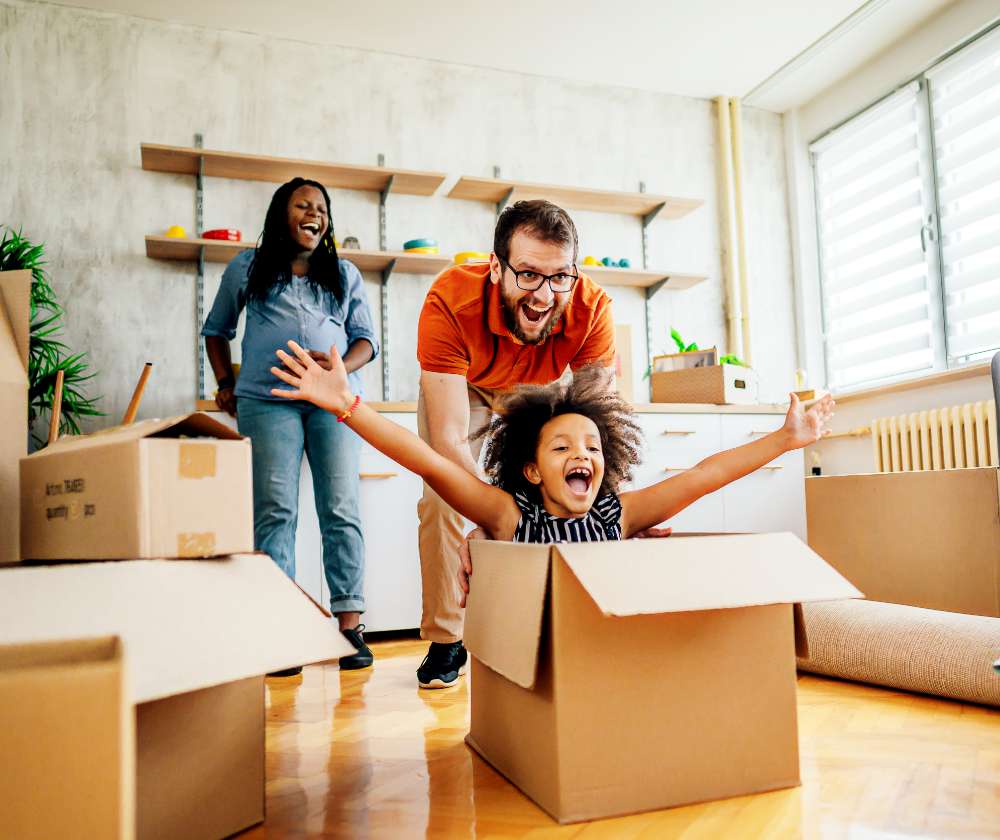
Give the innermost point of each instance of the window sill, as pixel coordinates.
(954, 375)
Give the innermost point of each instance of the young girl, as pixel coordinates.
(555, 456)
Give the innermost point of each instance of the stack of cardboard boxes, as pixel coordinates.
(132, 691)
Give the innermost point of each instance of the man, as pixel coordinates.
(525, 317)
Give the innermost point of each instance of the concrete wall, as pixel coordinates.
(82, 90)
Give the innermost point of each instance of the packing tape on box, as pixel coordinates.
(196, 544)
(909, 648)
(196, 460)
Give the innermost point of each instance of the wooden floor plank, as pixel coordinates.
(367, 754)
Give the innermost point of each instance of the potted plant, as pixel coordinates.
(47, 355)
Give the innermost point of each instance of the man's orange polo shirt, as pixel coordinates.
(462, 331)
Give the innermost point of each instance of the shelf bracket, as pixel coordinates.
(384, 331)
(382, 196)
(647, 311)
(503, 202)
(199, 283)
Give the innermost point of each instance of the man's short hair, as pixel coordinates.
(539, 218)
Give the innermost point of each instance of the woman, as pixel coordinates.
(293, 285)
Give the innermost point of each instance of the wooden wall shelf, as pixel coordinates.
(641, 279)
(217, 251)
(169, 248)
(183, 160)
(640, 204)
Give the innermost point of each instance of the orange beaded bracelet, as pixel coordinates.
(357, 401)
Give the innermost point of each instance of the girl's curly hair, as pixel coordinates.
(512, 436)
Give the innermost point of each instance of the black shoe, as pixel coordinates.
(443, 665)
(363, 658)
(288, 672)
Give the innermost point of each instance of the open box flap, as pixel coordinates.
(685, 574)
(503, 616)
(186, 624)
(197, 425)
(15, 308)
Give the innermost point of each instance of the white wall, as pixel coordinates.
(82, 90)
(907, 58)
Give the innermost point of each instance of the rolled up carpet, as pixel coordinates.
(928, 651)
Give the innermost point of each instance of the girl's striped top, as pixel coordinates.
(602, 522)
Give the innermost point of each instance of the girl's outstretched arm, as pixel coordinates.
(488, 506)
(649, 506)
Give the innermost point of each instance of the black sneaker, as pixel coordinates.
(363, 658)
(443, 665)
(287, 672)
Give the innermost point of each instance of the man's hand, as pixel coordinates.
(805, 427)
(225, 399)
(465, 562)
(327, 389)
(322, 359)
(653, 533)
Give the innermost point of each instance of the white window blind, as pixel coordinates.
(965, 102)
(881, 298)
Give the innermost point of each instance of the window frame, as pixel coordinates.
(936, 267)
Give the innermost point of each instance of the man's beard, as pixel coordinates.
(510, 307)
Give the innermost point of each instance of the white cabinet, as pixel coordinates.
(771, 499)
(389, 496)
(674, 443)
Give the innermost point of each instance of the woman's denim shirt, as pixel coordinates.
(301, 311)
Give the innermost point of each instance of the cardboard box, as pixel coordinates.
(926, 539)
(66, 700)
(717, 384)
(612, 678)
(15, 332)
(198, 636)
(161, 488)
(624, 375)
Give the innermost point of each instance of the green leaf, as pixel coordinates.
(676, 336)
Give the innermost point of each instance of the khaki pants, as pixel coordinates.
(441, 533)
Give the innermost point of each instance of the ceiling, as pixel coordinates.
(699, 49)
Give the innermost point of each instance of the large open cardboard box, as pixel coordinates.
(15, 332)
(926, 539)
(198, 638)
(161, 488)
(612, 678)
(67, 700)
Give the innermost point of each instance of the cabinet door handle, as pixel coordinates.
(773, 469)
(676, 469)
(378, 475)
(760, 434)
(672, 433)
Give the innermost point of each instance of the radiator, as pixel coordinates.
(939, 439)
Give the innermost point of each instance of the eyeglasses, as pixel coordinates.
(530, 281)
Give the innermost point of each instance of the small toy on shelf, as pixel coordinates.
(176, 232)
(588, 260)
(224, 234)
(607, 261)
(463, 257)
(351, 243)
(624, 262)
(421, 246)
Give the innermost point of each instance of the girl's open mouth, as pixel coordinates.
(578, 479)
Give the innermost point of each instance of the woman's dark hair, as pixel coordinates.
(512, 436)
(271, 268)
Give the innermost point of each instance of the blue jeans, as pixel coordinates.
(280, 433)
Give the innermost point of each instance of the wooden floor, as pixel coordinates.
(367, 754)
